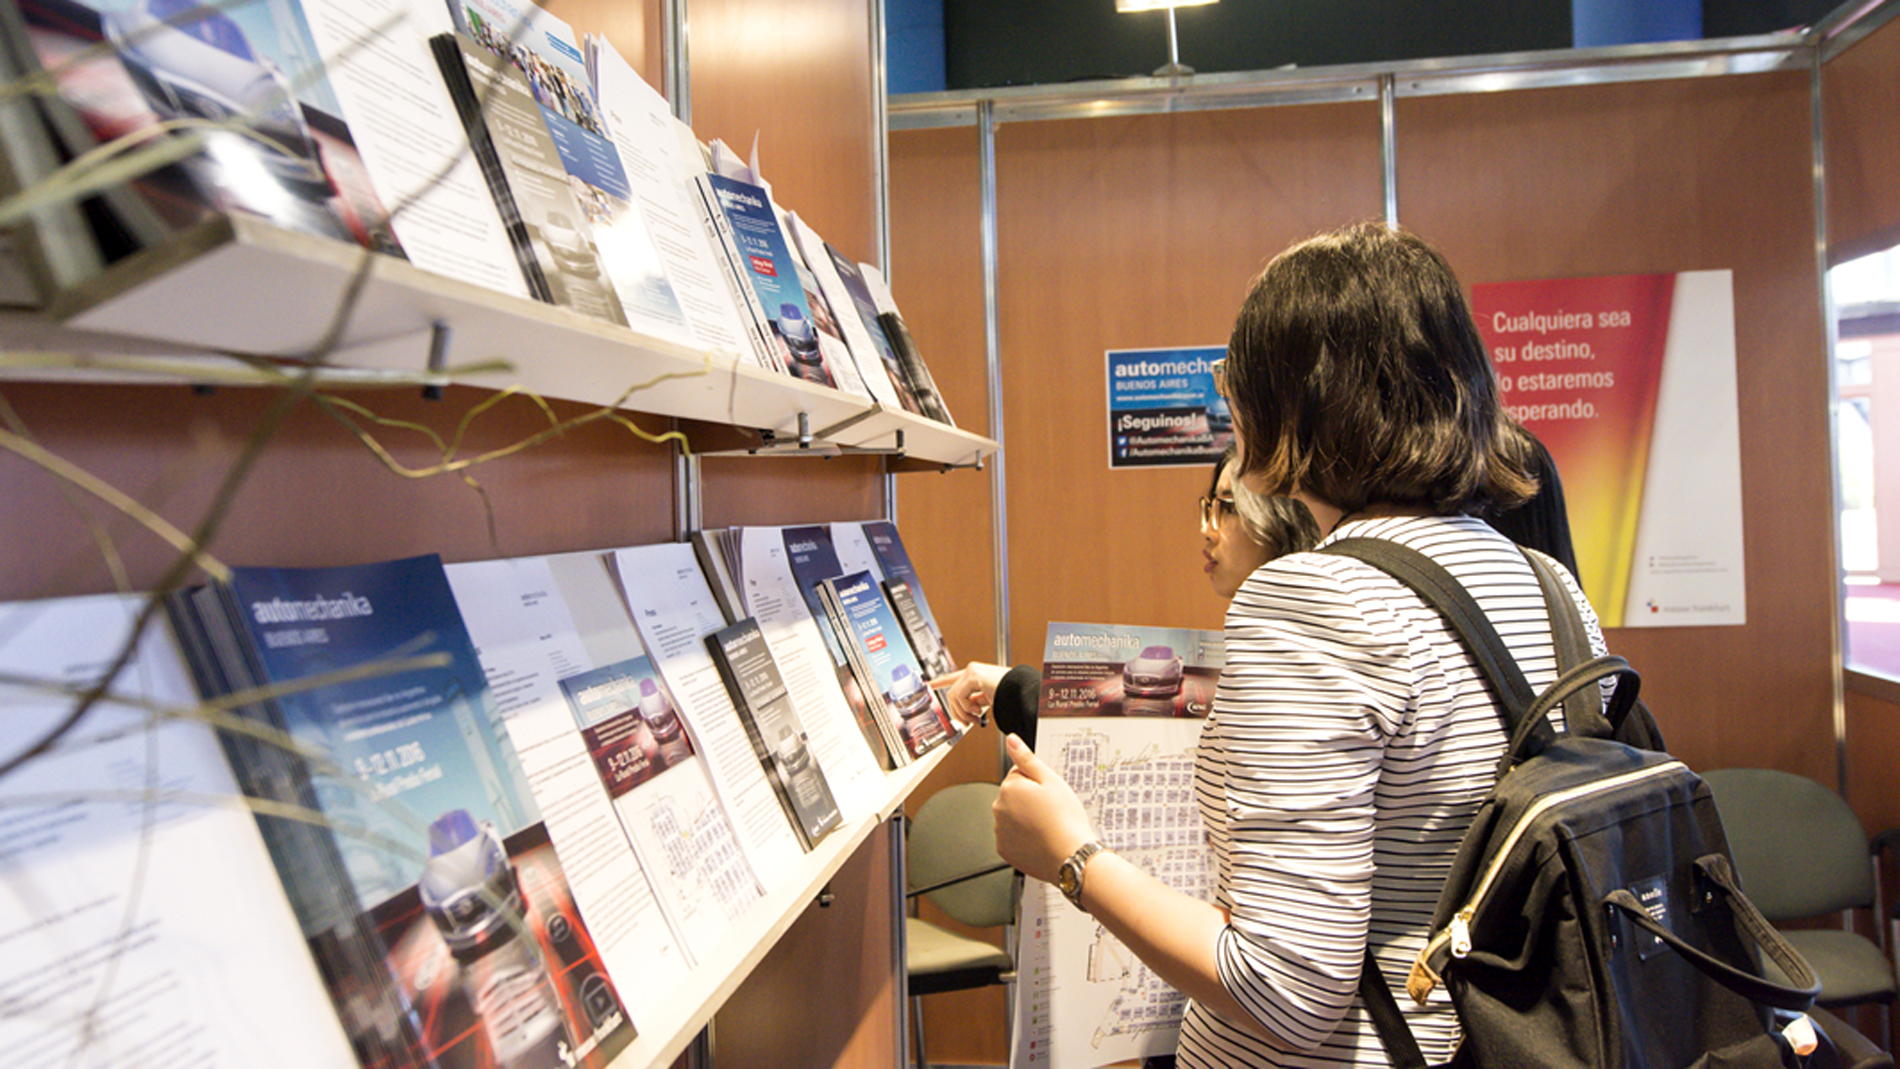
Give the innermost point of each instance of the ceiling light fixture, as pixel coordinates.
(1174, 67)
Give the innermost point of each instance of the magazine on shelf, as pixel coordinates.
(54, 246)
(828, 329)
(717, 552)
(644, 131)
(844, 314)
(781, 568)
(765, 259)
(523, 170)
(851, 277)
(618, 773)
(767, 350)
(924, 641)
(1121, 718)
(765, 708)
(893, 564)
(892, 680)
(183, 76)
(145, 922)
(852, 548)
(677, 611)
(874, 547)
(909, 358)
(602, 253)
(412, 139)
(429, 881)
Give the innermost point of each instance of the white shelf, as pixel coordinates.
(236, 284)
(668, 1026)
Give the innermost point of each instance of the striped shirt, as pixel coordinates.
(1350, 745)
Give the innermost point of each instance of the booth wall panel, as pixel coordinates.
(936, 275)
(1664, 177)
(316, 495)
(1132, 233)
(793, 82)
(1860, 96)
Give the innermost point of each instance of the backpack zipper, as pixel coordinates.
(1458, 932)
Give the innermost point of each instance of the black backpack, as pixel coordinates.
(1592, 917)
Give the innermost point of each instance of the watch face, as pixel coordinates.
(1065, 878)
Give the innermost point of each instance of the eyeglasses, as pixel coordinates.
(1215, 510)
(1219, 370)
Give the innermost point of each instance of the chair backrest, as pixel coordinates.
(1798, 848)
(952, 836)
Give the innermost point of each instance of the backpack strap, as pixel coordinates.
(1573, 648)
(1443, 592)
(1570, 638)
(1387, 1019)
(1513, 698)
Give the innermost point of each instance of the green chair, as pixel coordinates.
(951, 859)
(1802, 854)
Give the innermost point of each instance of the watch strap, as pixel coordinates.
(1075, 868)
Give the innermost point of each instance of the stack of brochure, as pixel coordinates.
(480, 139)
(487, 812)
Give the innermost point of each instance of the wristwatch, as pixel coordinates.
(1069, 876)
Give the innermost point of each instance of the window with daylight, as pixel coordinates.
(1866, 298)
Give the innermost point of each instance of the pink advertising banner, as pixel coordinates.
(1629, 381)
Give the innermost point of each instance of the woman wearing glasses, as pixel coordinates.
(1351, 740)
(1240, 530)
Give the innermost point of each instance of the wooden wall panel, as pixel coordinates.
(1136, 233)
(783, 491)
(936, 275)
(804, 1004)
(1678, 176)
(798, 77)
(1860, 97)
(634, 28)
(317, 496)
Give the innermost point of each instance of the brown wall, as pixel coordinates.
(1135, 232)
(1860, 95)
(1677, 176)
(801, 73)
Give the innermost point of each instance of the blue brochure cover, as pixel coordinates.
(890, 665)
(436, 828)
(774, 274)
(894, 560)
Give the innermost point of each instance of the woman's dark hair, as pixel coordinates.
(1355, 374)
(1220, 464)
(1279, 523)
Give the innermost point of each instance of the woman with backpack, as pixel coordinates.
(1352, 739)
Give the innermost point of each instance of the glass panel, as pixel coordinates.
(1866, 298)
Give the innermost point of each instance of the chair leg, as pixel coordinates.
(917, 1031)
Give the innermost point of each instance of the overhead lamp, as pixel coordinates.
(1174, 67)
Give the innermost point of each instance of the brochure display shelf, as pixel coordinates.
(668, 1028)
(240, 285)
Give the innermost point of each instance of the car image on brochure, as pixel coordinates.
(192, 61)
